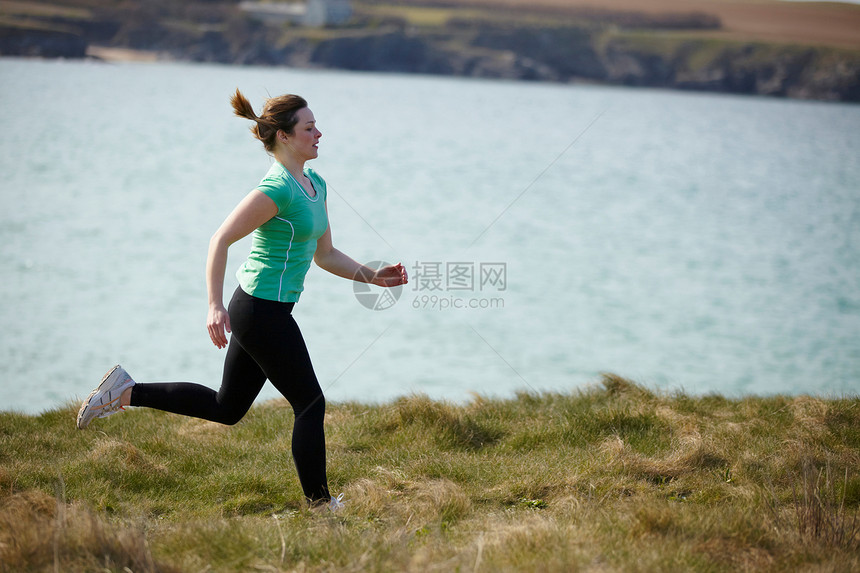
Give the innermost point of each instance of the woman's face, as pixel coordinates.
(305, 138)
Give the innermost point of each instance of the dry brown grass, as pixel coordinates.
(820, 509)
(42, 533)
(395, 497)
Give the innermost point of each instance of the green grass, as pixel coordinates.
(413, 15)
(440, 16)
(611, 478)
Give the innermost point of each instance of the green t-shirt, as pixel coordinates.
(283, 247)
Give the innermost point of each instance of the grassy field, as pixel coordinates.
(610, 478)
(834, 24)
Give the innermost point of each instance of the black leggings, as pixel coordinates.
(265, 343)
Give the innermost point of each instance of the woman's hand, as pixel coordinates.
(390, 276)
(217, 321)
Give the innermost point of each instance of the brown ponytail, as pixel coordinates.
(279, 113)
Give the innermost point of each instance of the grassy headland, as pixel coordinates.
(610, 478)
(833, 24)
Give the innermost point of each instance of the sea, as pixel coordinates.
(693, 243)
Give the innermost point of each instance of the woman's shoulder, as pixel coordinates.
(310, 172)
(276, 175)
(276, 184)
(317, 180)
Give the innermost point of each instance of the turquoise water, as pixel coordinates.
(704, 243)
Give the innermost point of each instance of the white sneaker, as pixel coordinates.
(104, 400)
(335, 504)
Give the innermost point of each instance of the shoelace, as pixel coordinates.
(109, 408)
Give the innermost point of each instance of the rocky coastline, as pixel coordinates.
(590, 53)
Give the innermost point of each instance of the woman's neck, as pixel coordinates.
(291, 164)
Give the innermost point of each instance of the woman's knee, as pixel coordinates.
(230, 421)
(314, 409)
(230, 416)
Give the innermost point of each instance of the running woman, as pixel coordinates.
(288, 216)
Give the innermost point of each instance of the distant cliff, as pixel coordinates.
(578, 54)
(597, 52)
(40, 42)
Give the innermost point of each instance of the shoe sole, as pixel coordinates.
(86, 403)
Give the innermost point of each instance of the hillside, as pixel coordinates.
(833, 24)
(610, 478)
(786, 49)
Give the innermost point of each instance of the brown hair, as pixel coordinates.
(279, 113)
